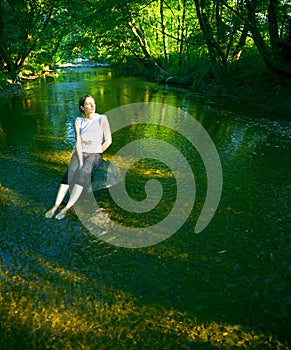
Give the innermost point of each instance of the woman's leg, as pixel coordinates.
(63, 189)
(75, 194)
(81, 177)
(64, 186)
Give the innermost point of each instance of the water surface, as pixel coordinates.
(236, 271)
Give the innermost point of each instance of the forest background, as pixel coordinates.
(235, 49)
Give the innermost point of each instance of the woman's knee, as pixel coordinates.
(82, 177)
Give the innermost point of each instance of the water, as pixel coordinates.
(37, 135)
(241, 257)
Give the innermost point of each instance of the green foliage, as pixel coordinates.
(29, 31)
(3, 81)
(164, 37)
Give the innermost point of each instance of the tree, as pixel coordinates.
(24, 27)
(222, 31)
(271, 50)
(269, 25)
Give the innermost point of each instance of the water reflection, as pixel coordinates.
(39, 121)
(234, 273)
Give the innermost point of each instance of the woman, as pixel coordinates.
(91, 130)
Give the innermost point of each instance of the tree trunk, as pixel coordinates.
(216, 53)
(241, 43)
(273, 27)
(12, 68)
(164, 35)
(272, 61)
(182, 29)
(140, 40)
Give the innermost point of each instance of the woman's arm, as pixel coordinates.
(78, 144)
(107, 135)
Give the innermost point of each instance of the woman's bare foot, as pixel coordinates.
(61, 214)
(50, 213)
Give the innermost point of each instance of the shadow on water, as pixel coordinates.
(62, 287)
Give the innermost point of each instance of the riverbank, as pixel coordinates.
(262, 93)
(8, 89)
(248, 85)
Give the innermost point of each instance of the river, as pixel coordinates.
(235, 271)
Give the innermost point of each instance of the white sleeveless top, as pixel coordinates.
(91, 132)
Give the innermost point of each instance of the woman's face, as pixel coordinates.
(89, 105)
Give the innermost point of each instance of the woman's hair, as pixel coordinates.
(82, 102)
